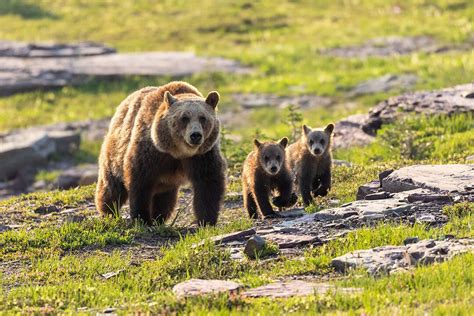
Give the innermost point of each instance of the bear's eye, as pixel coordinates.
(184, 119)
(266, 158)
(311, 142)
(321, 141)
(278, 158)
(202, 119)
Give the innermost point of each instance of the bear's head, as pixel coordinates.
(186, 124)
(271, 155)
(317, 140)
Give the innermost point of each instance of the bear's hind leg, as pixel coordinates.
(110, 194)
(163, 205)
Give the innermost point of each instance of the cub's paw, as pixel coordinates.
(272, 215)
(321, 191)
(279, 201)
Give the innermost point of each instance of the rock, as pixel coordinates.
(384, 174)
(411, 240)
(78, 176)
(367, 189)
(291, 240)
(470, 158)
(446, 101)
(47, 209)
(28, 50)
(337, 162)
(4, 228)
(112, 274)
(198, 287)
(23, 74)
(254, 246)
(258, 100)
(29, 148)
(231, 237)
(295, 288)
(389, 46)
(384, 84)
(438, 178)
(348, 132)
(389, 259)
(379, 196)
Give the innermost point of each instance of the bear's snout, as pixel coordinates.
(195, 138)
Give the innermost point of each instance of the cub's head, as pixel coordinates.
(271, 155)
(317, 140)
(188, 124)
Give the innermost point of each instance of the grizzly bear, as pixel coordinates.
(159, 139)
(310, 159)
(264, 171)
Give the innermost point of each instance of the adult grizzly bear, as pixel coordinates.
(159, 139)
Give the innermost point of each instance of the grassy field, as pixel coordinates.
(52, 265)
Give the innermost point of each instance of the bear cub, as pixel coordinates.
(265, 170)
(310, 159)
(159, 139)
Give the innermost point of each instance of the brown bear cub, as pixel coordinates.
(159, 139)
(310, 159)
(264, 171)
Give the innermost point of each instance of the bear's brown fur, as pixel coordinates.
(264, 171)
(310, 159)
(159, 139)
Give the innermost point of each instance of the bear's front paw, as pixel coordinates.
(279, 201)
(321, 191)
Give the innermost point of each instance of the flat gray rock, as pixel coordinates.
(22, 149)
(389, 259)
(23, 74)
(78, 176)
(389, 46)
(295, 288)
(445, 178)
(258, 100)
(458, 99)
(198, 287)
(288, 240)
(384, 84)
(45, 50)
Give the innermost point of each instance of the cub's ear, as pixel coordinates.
(212, 99)
(306, 130)
(170, 99)
(329, 129)
(257, 143)
(283, 142)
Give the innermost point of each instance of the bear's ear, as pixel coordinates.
(257, 143)
(283, 142)
(212, 99)
(329, 129)
(306, 130)
(169, 98)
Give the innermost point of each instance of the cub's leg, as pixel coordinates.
(285, 188)
(207, 175)
(249, 203)
(163, 205)
(261, 193)
(325, 185)
(110, 194)
(305, 186)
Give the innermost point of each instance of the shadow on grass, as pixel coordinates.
(25, 9)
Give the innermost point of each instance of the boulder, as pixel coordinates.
(198, 287)
(46, 50)
(440, 178)
(389, 259)
(348, 132)
(78, 176)
(254, 246)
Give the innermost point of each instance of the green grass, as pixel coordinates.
(60, 264)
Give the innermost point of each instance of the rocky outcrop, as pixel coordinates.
(348, 132)
(384, 84)
(458, 99)
(389, 46)
(389, 259)
(198, 287)
(26, 67)
(259, 100)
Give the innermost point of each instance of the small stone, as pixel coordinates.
(411, 240)
(47, 209)
(369, 188)
(198, 287)
(378, 196)
(254, 246)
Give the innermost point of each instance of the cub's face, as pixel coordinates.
(271, 155)
(191, 121)
(317, 140)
